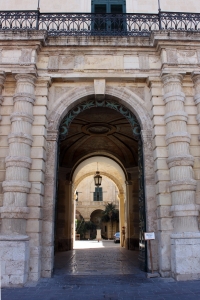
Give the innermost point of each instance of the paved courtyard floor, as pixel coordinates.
(102, 271)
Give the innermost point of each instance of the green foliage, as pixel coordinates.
(83, 226)
(110, 214)
(89, 225)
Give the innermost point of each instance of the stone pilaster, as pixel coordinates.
(196, 81)
(2, 79)
(161, 171)
(49, 204)
(149, 190)
(182, 185)
(16, 186)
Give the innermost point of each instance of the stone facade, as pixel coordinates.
(41, 79)
(142, 6)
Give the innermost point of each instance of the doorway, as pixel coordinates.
(107, 131)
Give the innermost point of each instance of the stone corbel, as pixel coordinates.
(99, 88)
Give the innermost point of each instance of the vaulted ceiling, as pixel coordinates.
(99, 131)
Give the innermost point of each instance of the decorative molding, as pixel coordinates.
(64, 127)
(180, 160)
(143, 61)
(53, 64)
(172, 56)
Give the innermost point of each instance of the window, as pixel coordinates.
(108, 23)
(76, 196)
(98, 194)
(108, 6)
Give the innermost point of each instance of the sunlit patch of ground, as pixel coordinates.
(95, 244)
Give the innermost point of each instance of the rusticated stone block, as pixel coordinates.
(185, 257)
(15, 263)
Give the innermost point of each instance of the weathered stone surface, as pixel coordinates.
(70, 71)
(14, 256)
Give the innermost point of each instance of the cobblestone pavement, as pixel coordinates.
(102, 271)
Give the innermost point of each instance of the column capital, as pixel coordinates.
(195, 76)
(172, 84)
(171, 78)
(26, 77)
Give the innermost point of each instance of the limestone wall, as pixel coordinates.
(145, 75)
(132, 6)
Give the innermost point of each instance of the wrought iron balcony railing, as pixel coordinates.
(88, 24)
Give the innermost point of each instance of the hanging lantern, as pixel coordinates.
(97, 179)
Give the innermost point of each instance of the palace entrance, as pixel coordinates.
(116, 133)
(100, 136)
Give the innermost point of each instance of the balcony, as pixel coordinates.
(88, 24)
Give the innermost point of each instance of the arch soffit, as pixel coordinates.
(118, 184)
(76, 95)
(99, 153)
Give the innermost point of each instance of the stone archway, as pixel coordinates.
(69, 100)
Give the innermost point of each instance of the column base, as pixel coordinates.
(185, 256)
(14, 259)
(165, 274)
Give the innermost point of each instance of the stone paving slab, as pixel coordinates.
(115, 287)
(123, 280)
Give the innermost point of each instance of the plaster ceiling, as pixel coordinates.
(99, 130)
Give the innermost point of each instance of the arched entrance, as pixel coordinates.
(116, 105)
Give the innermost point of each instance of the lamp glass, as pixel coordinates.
(97, 179)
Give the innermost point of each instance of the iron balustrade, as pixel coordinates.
(90, 24)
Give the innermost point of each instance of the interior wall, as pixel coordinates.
(133, 238)
(64, 220)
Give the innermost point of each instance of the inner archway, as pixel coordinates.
(112, 191)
